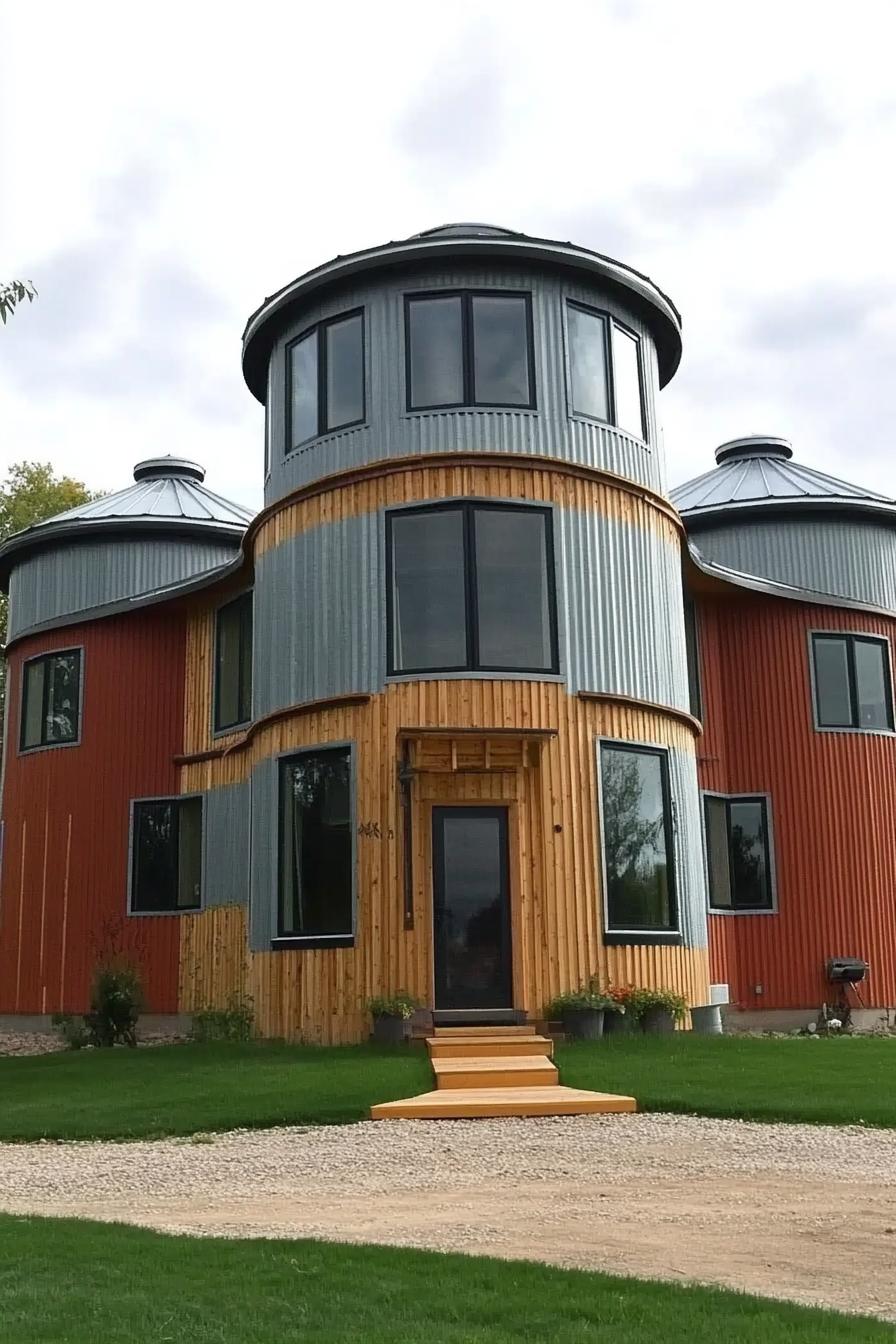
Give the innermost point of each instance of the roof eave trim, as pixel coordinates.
(721, 513)
(774, 588)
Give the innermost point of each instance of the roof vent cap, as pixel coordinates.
(168, 468)
(754, 445)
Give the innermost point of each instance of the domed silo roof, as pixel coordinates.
(761, 515)
(130, 546)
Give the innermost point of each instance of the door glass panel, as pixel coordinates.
(436, 352)
(512, 589)
(500, 351)
(429, 624)
(871, 684)
(472, 918)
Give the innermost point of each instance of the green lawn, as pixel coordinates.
(185, 1089)
(73, 1282)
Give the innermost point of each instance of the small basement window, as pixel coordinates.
(605, 370)
(166, 855)
(317, 863)
(325, 379)
(233, 663)
(51, 700)
(738, 853)
(852, 682)
(469, 349)
(636, 814)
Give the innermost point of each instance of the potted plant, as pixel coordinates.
(623, 1021)
(391, 1015)
(658, 1010)
(582, 1011)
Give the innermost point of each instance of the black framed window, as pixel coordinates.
(233, 663)
(738, 853)
(692, 652)
(51, 700)
(852, 682)
(166, 855)
(605, 369)
(471, 588)
(469, 348)
(637, 839)
(325, 379)
(316, 896)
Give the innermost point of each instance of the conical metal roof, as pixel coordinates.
(756, 475)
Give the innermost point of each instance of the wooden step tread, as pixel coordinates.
(482, 1102)
(494, 1064)
(508, 1030)
(441, 1047)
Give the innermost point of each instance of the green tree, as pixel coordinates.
(13, 292)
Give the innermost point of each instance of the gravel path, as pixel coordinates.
(800, 1212)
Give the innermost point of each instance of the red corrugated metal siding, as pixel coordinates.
(63, 897)
(833, 798)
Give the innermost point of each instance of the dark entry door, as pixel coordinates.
(471, 915)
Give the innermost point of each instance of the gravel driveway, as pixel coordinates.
(802, 1212)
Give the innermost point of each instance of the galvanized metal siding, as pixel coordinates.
(63, 897)
(76, 579)
(320, 611)
(265, 856)
(226, 818)
(690, 868)
(391, 431)
(853, 558)
(833, 800)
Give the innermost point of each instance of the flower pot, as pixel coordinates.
(584, 1024)
(619, 1024)
(707, 1020)
(657, 1021)
(388, 1030)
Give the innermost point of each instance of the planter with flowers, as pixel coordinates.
(392, 1017)
(583, 1012)
(624, 1020)
(658, 1010)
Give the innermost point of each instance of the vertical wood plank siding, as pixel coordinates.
(556, 898)
(63, 899)
(833, 801)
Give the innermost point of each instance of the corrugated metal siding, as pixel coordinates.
(618, 596)
(557, 898)
(63, 899)
(833, 799)
(852, 558)
(392, 432)
(76, 578)
(226, 818)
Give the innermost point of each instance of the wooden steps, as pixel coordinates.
(496, 1071)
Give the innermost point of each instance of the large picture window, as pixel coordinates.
(316, 847)
(471, 588)
(325, 379)
(637, 840)
(166, 855)
(51, 700)
(852, 682)
(469, 349)
(605, 370)
(738, 853)
(233, 663)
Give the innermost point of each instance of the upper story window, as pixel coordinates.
(738, 853)
(325, 379)
(692, 652)
(233, 663)
(51, 700)
(166, 855)
(852, 682)
(606, 376)
(316, 847)
(471, 588)
(469, 349)
(637, 839)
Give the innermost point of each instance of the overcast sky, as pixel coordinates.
(165, 168)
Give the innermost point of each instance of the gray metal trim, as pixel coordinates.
(813, 697)
(772, 865)
(49, 746)
(775, 588)
(160, 914)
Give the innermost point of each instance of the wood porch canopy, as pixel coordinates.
(472, 751)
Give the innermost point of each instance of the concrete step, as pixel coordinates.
(495, 1071)
(450, 1047)
(482, 1102)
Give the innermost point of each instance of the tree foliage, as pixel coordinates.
(13, 292)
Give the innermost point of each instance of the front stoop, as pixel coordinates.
(496, 1071)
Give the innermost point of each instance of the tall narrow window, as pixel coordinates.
(166, 855)
(852, 682)
(325, 379)
(471, 588)
(316, 851)
(233, 663)
(738, 852)
(637, 839)
(605, 371)
(469, 349)
(692, 651)
(51, 700)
